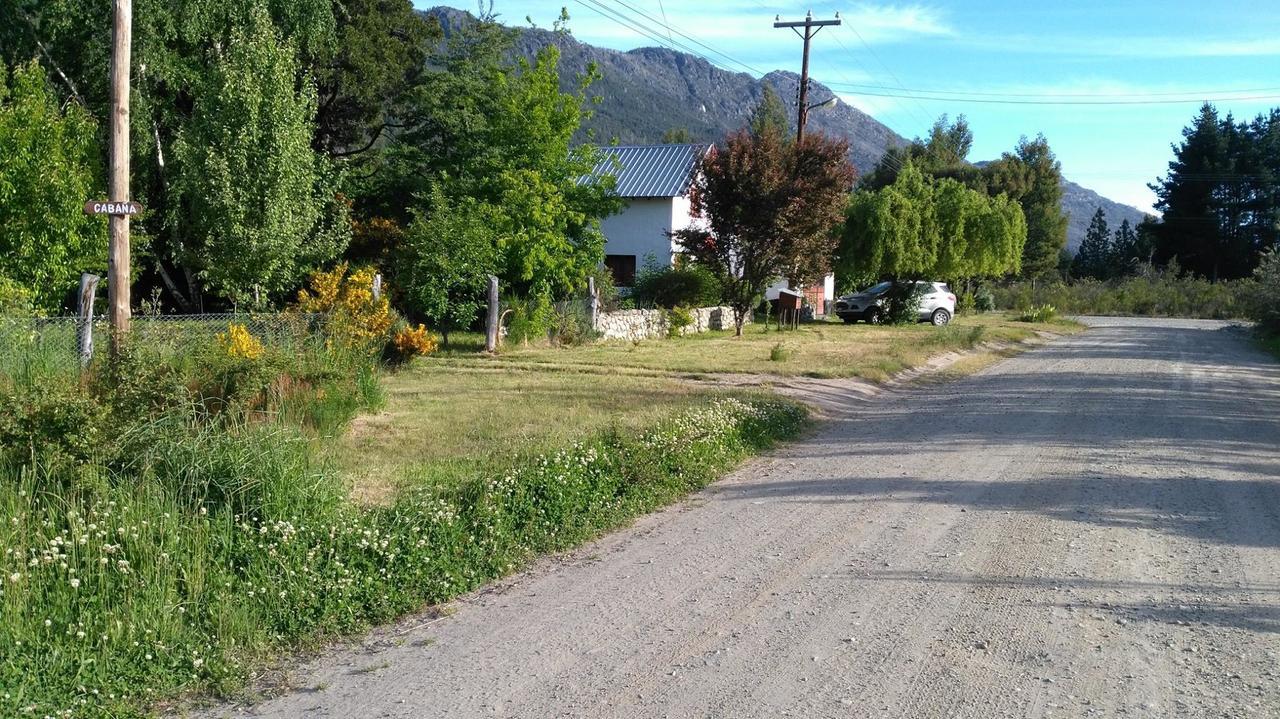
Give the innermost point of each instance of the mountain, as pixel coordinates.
(647, 91)
(1080, 203)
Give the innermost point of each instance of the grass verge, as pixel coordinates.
(824, 349)
(117, 591)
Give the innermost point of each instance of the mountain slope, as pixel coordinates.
(650, 90)
(1080, 203)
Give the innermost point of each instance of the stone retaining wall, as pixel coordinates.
(638, 325)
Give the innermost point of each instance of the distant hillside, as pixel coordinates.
(1080, 203)
(649, 90)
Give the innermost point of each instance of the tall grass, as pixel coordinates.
(176, 572)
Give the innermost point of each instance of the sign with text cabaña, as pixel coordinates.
(112, 208)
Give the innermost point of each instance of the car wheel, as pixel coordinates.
(940, 317)
(874, 317)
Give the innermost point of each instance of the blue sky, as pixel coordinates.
(1179, 52)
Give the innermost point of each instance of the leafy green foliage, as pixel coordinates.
(770, 207)
(678, 319)
(925, 228)
(448, 254)
(1266, 296)
(769, 116)
(260, 202)
(49, 168)
(236, 542)
(1152, 292)
(1094, 258)
(1041, 313)
(683, 284)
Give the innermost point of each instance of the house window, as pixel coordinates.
(623, 269)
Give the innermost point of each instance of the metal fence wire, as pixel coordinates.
(53, 343)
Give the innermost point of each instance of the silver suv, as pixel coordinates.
(938, 305)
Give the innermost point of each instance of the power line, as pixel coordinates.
(993, 101)
(1190, 94)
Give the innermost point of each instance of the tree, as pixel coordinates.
(1126, 251)
(1221, 197)
(260, 203)
(49, 167)
(922, 228)
(769, 115)
(365, 87)
(1034, 170)
(1093, 259)
(677, 136)
(769, 208)
(447, 257)
(943, 154)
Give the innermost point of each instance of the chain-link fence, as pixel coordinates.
(54, 343)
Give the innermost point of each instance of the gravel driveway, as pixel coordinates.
(1089, 529)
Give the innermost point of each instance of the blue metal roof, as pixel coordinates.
(650, 170)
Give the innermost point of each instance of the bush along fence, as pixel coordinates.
(130, 585)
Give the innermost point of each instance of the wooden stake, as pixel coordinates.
(88, 289)
(118, 189)
(491, 325)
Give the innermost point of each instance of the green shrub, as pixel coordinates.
(1151, 293)
(670, 287)
(216, 547)
(902, 303)
(678, 319)
(1265, 302)
(1043, 313)
(984, 301)
(780, 353)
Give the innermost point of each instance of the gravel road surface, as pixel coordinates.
(1091, 528)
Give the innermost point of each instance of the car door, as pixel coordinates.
(929, 302)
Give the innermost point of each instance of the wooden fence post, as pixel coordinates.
(377, 287)
(491, 325)
(593, 303)
(84, 308)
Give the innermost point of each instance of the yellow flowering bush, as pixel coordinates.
(239, 343)
(356, 319)
(413, 342)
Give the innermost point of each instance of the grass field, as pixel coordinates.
(459, 414)
(823, 349)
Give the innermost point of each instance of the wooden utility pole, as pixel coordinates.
(811, 28)
(493, 319)
(118, 183)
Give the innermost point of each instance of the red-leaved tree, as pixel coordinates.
(769, 209)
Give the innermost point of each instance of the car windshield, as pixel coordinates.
(876, 289)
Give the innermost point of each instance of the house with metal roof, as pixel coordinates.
(654, 179)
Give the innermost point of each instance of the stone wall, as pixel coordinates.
(638, 325)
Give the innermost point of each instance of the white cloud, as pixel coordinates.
(892, 23)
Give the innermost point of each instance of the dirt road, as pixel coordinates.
(1089, 529)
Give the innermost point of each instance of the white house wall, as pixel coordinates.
(641, 229)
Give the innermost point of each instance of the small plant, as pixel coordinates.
(409, 342)
(678, 320)
(1042, 313)
(984, 301)
(237, 342)
(781, 353)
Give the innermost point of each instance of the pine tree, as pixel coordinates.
(770, 115)
(1093, 258)
(1125, 253)
(1041, 200)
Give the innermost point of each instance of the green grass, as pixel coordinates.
(1270, 343)
(443, 422)
(116, 592)
(825, 349)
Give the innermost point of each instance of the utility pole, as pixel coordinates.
(118, 184)
(811, 28)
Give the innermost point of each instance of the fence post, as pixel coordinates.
(593, 300)
(491, 324)
(84, 308)
(377, 287)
